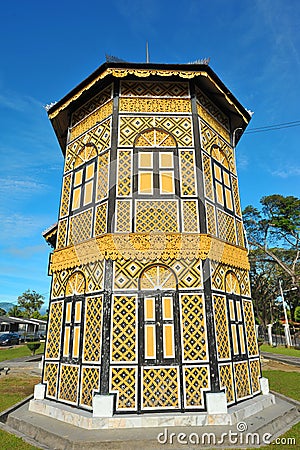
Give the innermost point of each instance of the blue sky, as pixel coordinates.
(47, 48)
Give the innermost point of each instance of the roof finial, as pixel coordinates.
(147, 53)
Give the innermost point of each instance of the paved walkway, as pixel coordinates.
(292, 360)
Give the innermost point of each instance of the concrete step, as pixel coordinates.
(51, 434)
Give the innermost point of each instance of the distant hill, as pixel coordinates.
(6, 306)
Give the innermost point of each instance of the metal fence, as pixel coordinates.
(278, 336)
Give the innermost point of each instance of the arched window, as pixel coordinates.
(85, 168)
(232, 285)
(158, 277)
(221, 176)
(75, 284)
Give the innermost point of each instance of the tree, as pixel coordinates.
(2, 312)
(30, 302)
(14, 312)
(297, 314)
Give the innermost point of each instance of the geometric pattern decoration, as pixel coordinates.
(62, 233)
(80, 227)
(124, 172)
(92, 104)
(226, 381)
(65, 197)
(250, 328)
(208, 184)
(52, 350)
(221, 322)
(154, 138)
(124, 329)
(156, 216)
(187, 173)
(123, 219)
(100, 219)
(232, 284)
(90, 121)
(209, 138)
(123, 380)
(226, 227)
(157, 277)
(94, 276)
(155, 105)
(68, 383)
(92, 329)
(97, 138)
(84, 154)
(236, 197)
(160, 387)
(59, 282)
(255, 375)
(153, 89)
(50, 378)
(188, 273)
(213, 123)
(102, 181)
(215, 114)
(90, 377)
(190, 216)
(219, 271)
(196, 380)
(193, 328)
(210, 219)
(179, 127)
(242, 382)
(240, 233)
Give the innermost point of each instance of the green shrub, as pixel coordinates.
(33, 346)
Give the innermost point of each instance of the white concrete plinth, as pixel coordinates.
(86, 419)
(39, 391)
(216, 403)
(103, 405)
(264, 385)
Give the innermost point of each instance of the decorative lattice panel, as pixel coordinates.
(65, 197)
(54, 331)
(211, 219)
(92, 104)
(102, 178)
(188, 273)
(156, 216)
(250, 328)
(76, 284)
(155, 138)
(208, 184)
(160, 387)
(255, 375)
(226, 227)
(90, 121)
(236, 197)
(190, 216)
(80, 227)
(226, 381)
(240, 233)
(100, 219)
(157, 277)
(193, 328)
(218, 277)
(94, 276)
(124, 329)
(90, 377)
(92, 329)
(221, 323)
(124, 172)
(153, 89)
(97, 138)
(123, 216)
(187, 173)
(59, 283)
(68, 383)
(179, 127)
(213, 110)
(62, 233)
(123, 380)
(51, 379)
(209, 138)
(242, 382)
(196, 381)
(155, 105)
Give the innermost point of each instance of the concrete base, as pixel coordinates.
(85, 419)
(48, 433)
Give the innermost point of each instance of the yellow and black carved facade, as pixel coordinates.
(150, 294)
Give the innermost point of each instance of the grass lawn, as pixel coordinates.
(280, 350)
(18, 351)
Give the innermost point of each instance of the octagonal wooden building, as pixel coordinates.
(150, 295)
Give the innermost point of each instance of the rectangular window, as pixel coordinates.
(167, 308)
(228, 199)
(168, 339)
(145, 183)
(219, 192)
(166, 160)
(88, 193)
(76, 198)
(150, 342)
(145, 160)
(150, 308)
(166, 182)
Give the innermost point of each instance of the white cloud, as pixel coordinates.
(286, 172)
